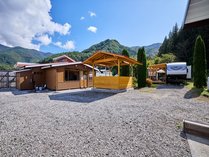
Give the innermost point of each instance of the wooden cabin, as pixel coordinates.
(55, 76)
(106, 59)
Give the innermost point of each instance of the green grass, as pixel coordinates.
(179, 125)
(189, 84)
(200, 91)
(205, 93)
(154, 85)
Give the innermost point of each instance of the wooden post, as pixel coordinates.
(93, 75)
(118, 74)
(7, 79)
(118, 67)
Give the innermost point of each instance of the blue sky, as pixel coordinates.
(131, 22)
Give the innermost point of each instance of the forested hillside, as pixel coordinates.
(107, 45)
(181, 43)
(11, 55)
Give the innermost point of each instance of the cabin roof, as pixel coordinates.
(197, 13)
(67, 64)
(101, 58)
(22, 70)
(63, 56)
(22, 64)
(39, 65)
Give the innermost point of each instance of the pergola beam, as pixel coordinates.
(105, 60)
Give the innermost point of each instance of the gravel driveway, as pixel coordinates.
(144, 122)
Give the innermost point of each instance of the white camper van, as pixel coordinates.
(176, 72)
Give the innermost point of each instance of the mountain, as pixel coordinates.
(108, 45)
(11, 55)
(2, 47)
(151, 50)
(115, 47)
(77, 56)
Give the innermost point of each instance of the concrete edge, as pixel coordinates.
(196, 128)
(111, 90)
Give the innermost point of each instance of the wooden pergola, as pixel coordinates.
(106, 59)
(153, 70)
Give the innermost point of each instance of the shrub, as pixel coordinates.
(125, 70)
(199, 63)
(149, 82)
(134, 83)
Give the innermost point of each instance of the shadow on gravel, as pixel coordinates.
(193, 93)
(15, 91)
(183, 135)
(170, 86)
(81, 96)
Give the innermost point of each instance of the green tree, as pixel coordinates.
(164, 47)
(165, 58)
(114, 70)
(199, 63)
(141, 69)
(168, 58)
(181, 43)
(6, 67)
(125, 70)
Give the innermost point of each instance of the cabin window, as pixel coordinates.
(71, 75)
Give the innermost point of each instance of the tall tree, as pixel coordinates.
(141, 69)
(199, 63)
(125, 70)
(163, 48)
(181, 43)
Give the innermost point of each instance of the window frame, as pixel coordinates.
(70, 77)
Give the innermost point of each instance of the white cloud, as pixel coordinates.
(92, 13)
(69, 45)
(44, 39)
(24, 21)
(92, 29)
(82, 18)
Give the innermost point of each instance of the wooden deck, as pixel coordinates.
(113, 82)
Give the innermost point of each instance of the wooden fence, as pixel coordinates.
(7, 79)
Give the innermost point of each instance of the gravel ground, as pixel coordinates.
(144, 122)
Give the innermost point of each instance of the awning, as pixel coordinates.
(161, 71)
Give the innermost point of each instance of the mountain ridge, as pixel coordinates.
(10, 55)
(112, 45)
(109, 45)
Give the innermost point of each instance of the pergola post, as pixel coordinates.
(132, 71)
(93, 75)
(118, 74)
(118, 67)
